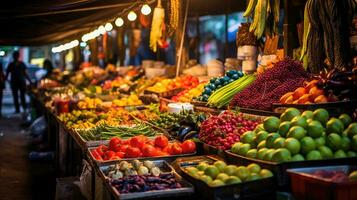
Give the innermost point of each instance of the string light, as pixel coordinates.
(101, 30)
(145, 10)
(108, 27)
(65, 47)
(132, 16)
(119, 22)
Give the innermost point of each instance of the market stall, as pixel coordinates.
(259, 126)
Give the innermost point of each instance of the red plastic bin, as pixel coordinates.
(307, 186)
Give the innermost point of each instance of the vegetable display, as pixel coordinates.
(285, 76)
(129, 168)
(311, 135)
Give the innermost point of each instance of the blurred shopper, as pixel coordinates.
(2, 85)
(17, 70)
(47, 65)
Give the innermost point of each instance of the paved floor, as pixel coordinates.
(20, 178)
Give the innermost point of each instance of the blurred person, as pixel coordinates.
(2, 85)
(17, 70)
(47, 65)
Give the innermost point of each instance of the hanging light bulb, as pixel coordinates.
(108, 27)
(101, 29)
(119, 22)
(85, 38)
(132, 16)
(145, 10)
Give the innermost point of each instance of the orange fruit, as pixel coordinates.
(295, 102)
(310, 85)
(289, 100)
(315, 92)
(285, 97)
(308, 102)
(304, 98)
(299, 92)
(321, 99)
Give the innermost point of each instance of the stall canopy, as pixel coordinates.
(40, 22)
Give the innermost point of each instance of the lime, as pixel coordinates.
(309, 120)
(321, 141)
(270, 140)
(271, 124)
(192, 171)
(261, 145)
(334, 141)
(244, 149)
(222, 176)
(253, 168)
(334, 125)
(354, 143)
(281, 155)
(261, 153)
(253, 177)
(353, 175)
(230, 170)
(212, 171)
(235, 148)
(284, 128)
(242, 172)
(216, 183)
(298, 157)
(340, 154)
(233, 180)
(321, 115)
(293, 145)
(345, 119)
(352, 130)
(261, 135)
(206, 179)
(314, 155)
(260, 127)
(265, 173)
(248, 137)
(289, 114)
(351, 154)
(269, 154)
(345, 143)
(326, 152)
(315, 129)
(202, 166)
(279, 143)
(252, 153)
(308, 114)
(299, 121)
(307, 144)
(220, 165)
(296, 132)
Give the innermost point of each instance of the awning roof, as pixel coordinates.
(39, 22)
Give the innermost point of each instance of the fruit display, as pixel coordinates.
(222, 96)
(141, 146)
(295, 136)
(165, 85)
(308, 94)
(224, 130)
(134, 167)
(219, 173)
(144, 183)
(131, 100)
(216, 83)
(89, 103)
(336, 175)
(189, 94)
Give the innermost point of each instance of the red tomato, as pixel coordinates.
(161, 141)
(110, 154)
(176, 149)
(188, 146)
(119, 154)
(132, 152)
(113, 143)
(103, 147)
(150, 142)
(123, 148)
(96, 155)
(149, 151)
(125, 142)
(137, 142)
(100, 151)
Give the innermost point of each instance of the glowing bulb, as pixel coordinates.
(119, 22)
(101, 29)
(96, 33)
(85, 38)
(108, 27)
(132, 16)
(145, 10)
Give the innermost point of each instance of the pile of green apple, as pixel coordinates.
(296, 136)
(219, 173)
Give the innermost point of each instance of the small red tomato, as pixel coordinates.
(96, 155)
(161, 141)
(110, 154)
(119, 154)
(123, 148)
(113, 143)
(176, 149)
(137, 142)
(125, 142)
(103, 147)
(150, 142)
(100, 151)
(132, 152)
(148, 151)
(188, 146)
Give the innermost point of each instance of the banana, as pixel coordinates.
(250, 8)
